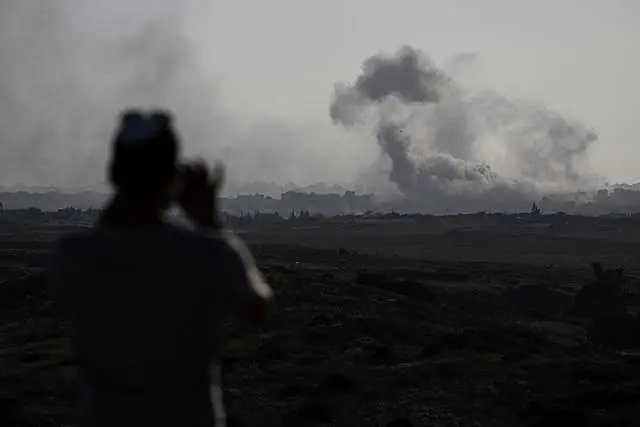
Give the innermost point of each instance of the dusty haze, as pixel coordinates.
(251, 85)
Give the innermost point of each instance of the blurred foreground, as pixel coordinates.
(434, 321)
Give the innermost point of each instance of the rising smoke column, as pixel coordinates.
(413, 105)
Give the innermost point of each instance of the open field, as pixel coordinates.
(382, 323)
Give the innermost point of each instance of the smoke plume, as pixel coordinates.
(435, 132)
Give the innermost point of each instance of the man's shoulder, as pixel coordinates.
(192, 235)
(176, 236)
(73, 247)
(217, 241)
(74, 241)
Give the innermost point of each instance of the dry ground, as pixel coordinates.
(382, 324)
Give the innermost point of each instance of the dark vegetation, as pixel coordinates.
(385, 324)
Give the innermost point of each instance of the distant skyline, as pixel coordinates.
(264, 72)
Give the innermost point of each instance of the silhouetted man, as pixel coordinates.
(147, 298)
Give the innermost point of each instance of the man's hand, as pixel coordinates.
(199, 198)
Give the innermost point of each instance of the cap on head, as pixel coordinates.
(138, 128)
(144, 152)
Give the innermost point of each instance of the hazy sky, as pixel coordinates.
(267, 70)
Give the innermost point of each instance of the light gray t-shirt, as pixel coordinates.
(146, 303)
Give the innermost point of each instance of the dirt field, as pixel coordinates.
(382, 323)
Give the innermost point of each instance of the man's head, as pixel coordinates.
(144, 157)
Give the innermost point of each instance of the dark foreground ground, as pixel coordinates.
(382, 324)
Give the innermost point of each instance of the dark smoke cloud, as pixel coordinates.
(432, 130)
(408, 75)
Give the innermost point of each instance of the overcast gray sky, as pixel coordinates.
(269, 68)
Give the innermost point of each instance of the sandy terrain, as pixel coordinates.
(377, 323)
